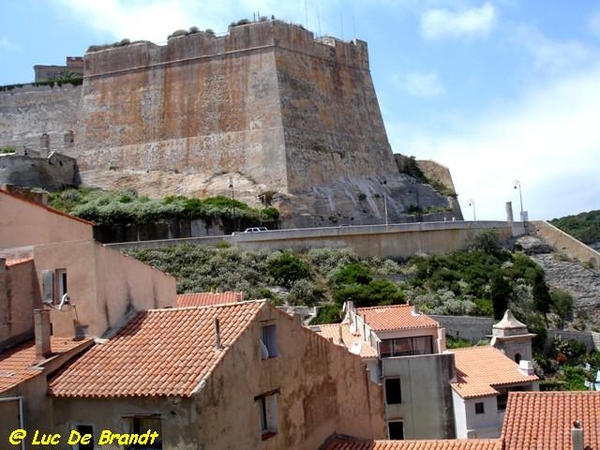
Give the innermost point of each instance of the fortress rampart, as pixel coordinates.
(266, 107)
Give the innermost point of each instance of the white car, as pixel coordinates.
(255, 230)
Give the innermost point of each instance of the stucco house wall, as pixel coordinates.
(24, 222)
(322, 389)
(103, 285)
(426, 407)
(17, 300)
(470, 425)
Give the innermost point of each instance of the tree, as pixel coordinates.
(541, 294)
(501, 291)
(562, 305)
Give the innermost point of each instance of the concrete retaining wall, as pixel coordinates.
(392, 241)
(562, 242)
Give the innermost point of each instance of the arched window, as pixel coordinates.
(45, 142)
(518, 358)
(69, 138)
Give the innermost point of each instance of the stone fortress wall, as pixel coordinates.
(267, 107)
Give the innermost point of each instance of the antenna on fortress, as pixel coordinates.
(319, 20)
(306, 13)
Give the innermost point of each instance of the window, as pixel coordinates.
(54, 286)
(393, 391)
(267, 405)
(61, 284)
(396, 430)
(479, 408)
(269, 340)
(145, 424)
(419, 345)
(518, 358)
(85, 437)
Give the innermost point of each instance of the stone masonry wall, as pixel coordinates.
(41, 118)
(51, 173)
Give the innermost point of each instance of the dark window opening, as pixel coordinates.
(393, 391)
(89, 441)
(141, 425)
(479, 408)
(396, 430)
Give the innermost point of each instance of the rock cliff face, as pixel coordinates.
(264, 108)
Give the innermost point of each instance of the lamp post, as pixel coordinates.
(472, 204)
(232, 203)
(517, 185)
(385, 208)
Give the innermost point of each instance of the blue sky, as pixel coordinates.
(497, 90)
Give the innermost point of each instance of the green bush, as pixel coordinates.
(286, 268)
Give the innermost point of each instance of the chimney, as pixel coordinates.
(42, 327)
(218, 345)
(340, 340)
(577, 436)
(526, 367)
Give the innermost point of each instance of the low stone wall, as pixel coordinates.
(473, 329)
(591, 339)
(564, 243)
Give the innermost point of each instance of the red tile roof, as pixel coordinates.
(543, 420)
(395, 317)
(479, 370)
(332, 332)
(427, 444)
(17, 261)
(209, 298)
(18, 364)
(163, 352)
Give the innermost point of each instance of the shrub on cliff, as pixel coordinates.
(126, 207)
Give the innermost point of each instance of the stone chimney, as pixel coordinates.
(577, 436)
(42, 330)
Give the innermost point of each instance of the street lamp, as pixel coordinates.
(472, 204)
(517, 185)
(385, 209)
(232, 202)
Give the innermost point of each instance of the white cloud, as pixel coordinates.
(593, 24)
(7, 45)
(419, 84)
(155, 20)
(552, 55)
(549, 140)
(438, 24)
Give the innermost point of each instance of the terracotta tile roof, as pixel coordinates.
(395, 317)
(427, 444)
(479, 370)
(331, 332)
(162, 352)
(209, 298)
(17, 364)
(17, 261)
(47, 208)
(543, 420)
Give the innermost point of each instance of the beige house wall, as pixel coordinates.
(103, 285)
(322, 389)
(18, 297)
(23, 222)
